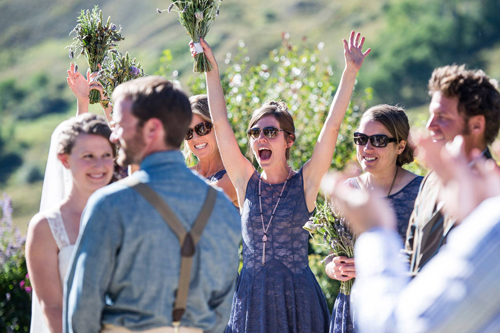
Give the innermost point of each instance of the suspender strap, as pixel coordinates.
(187, 240)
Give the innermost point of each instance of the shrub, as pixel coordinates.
(15, 290)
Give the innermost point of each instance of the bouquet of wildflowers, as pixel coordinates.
(117, 69)
(197, 17)
(93, 39)
(337, 235)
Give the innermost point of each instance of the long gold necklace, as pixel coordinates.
(264, 228)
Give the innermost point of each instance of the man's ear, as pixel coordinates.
(477, 124)
(64, 160)
(289, 141)
(152, 129)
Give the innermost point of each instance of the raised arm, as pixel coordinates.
(237, 166)
(320, 162)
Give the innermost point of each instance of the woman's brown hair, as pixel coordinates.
(278, 110)
(87, 123)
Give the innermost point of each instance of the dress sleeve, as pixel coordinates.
(91, 267)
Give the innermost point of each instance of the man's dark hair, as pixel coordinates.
(156, 97)
(477, 95)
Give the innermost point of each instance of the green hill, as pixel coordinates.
(408, 39)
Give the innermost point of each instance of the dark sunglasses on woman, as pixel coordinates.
(201, 129)
(377, 140)
(269, 132)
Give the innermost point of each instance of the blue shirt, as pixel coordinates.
(457, 291)
(125, 268)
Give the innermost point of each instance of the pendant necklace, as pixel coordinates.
(265, 229)
(393, 181)
(213, 174)
(392, 185)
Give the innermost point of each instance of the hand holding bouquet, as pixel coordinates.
(337, 236)
(93, 39)
(117, 69)
(197, 17)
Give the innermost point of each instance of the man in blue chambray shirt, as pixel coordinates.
(125, 271)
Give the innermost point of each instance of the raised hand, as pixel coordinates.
(207, 50)
(78, 84)
(463, 188)
(353, 51)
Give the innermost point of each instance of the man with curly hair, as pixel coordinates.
(464, 102)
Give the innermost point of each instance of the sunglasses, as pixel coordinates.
(269, 132)
(377, 140)
(201, 129)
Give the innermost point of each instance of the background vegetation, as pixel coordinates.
(408, 39)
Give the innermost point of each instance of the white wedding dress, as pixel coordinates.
(56, 184)
(60, 235)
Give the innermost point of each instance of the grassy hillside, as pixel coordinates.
(34, 97)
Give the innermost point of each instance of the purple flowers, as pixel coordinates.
(25, 286)
(135, 71)
(11, 240)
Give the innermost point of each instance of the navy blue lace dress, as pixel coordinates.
(402, 202)
(216, 176)
(283, 295)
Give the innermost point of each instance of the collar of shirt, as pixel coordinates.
(161, 158)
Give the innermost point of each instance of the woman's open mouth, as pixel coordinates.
(265, 154)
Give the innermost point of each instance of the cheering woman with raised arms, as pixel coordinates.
(276, 290)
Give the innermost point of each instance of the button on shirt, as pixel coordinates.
(457, 291)
(125, 270)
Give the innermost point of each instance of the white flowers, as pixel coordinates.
(199, 15)
(311, 227)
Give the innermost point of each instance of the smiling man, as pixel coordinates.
(464, 102)
(127, 274)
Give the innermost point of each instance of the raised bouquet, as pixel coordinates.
(197, 17)
(93, 39)
(337, 235)
(117, 69)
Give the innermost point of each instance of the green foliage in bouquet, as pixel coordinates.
(336, 235)
(196, 16)
(15, 289)
(117, 69)
(93, 39)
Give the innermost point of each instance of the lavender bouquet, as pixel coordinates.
(117, 69)
(197, 17)
(93, 39)
(337, 235)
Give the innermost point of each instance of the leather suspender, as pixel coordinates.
(187, 239)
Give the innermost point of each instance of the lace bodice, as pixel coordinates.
(283, 295)
(402, 202)
(287, 240)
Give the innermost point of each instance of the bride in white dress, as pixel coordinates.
(80, 162)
